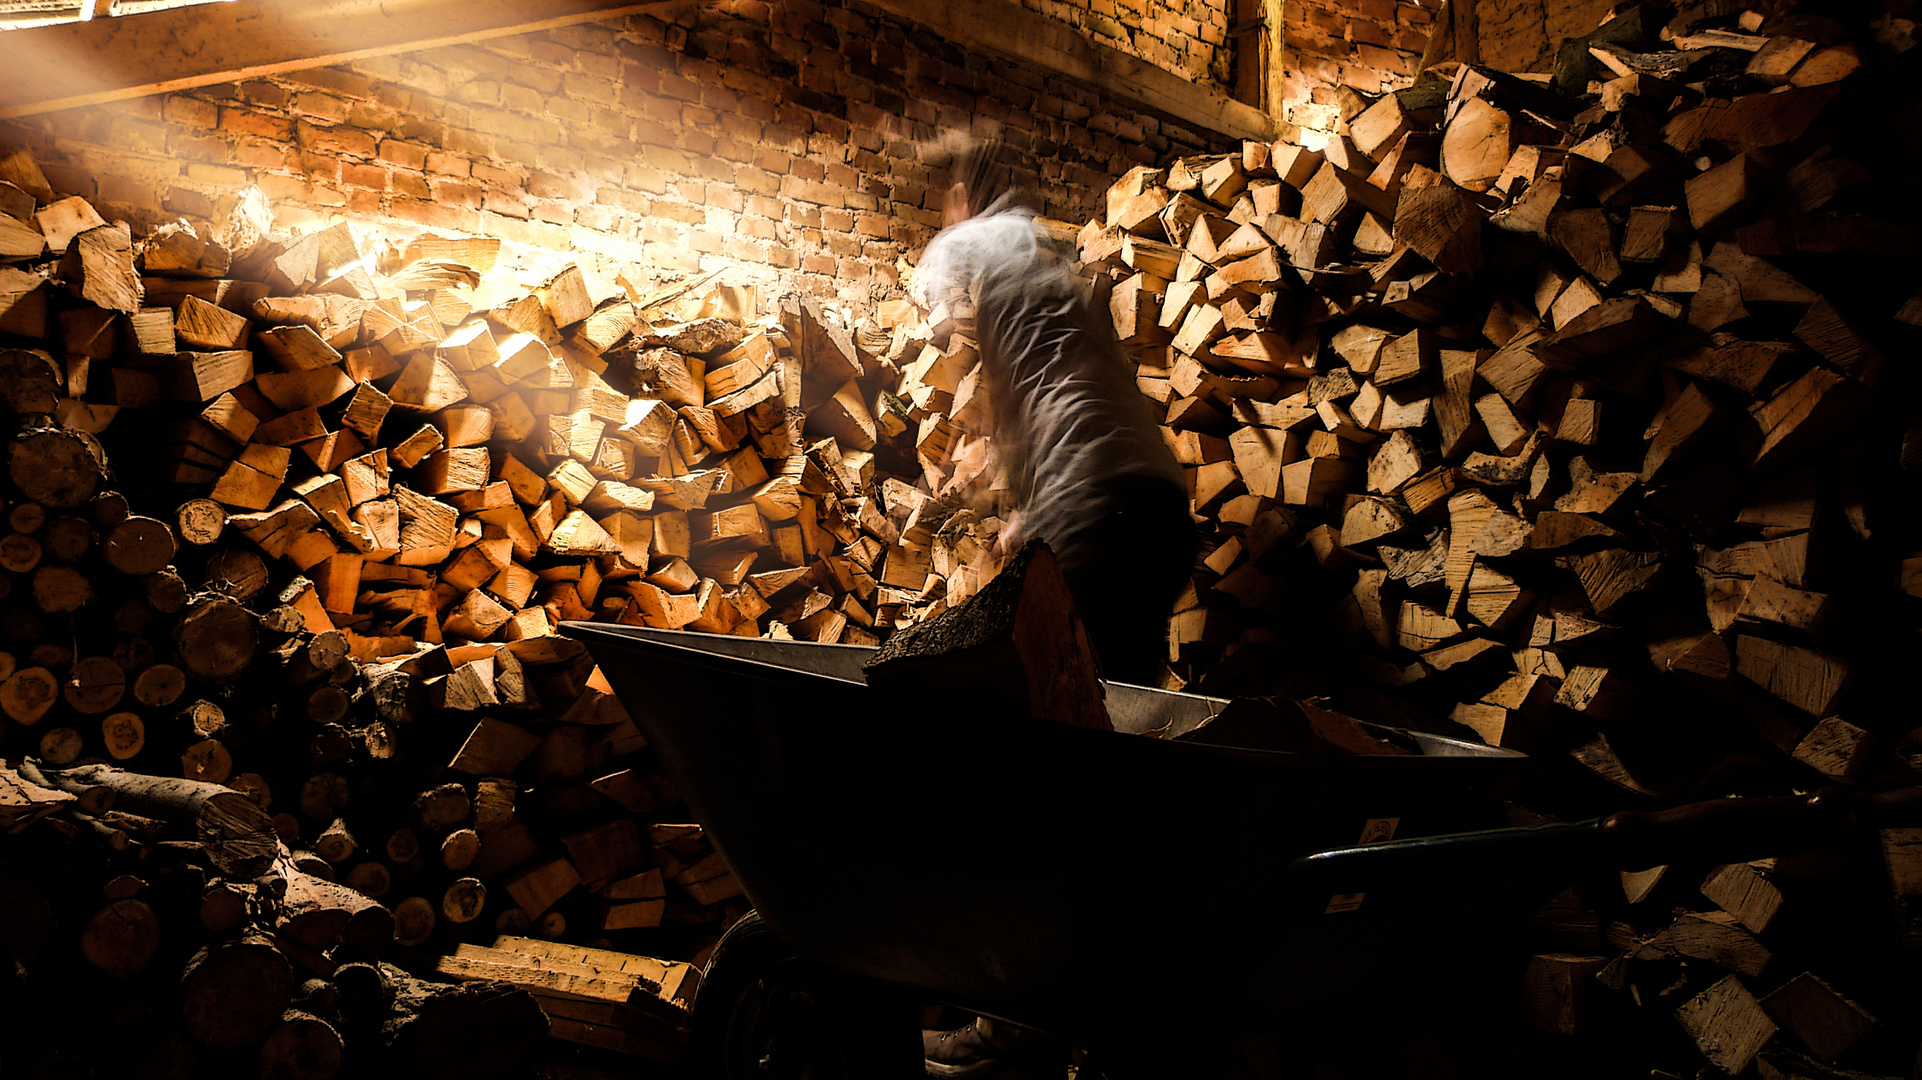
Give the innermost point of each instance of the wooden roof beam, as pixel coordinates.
(46, 68)
(1006, 29)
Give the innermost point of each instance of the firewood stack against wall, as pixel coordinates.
(290, 529)
(1572, 422)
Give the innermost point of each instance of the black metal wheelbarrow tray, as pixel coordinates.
(1038, 873)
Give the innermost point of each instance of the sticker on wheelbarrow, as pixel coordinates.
(1373, 831)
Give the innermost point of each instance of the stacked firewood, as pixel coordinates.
(1561, 413)
(180, 914)
(293, 523)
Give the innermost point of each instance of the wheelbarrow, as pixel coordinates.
(929, 850)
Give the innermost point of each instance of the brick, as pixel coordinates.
(536, 233)
(686, 215)
(653, 132)
(406, 155)
(600, 66)
(371, 177)
(586, 38)
(293, 189)
(70, 179)
(562, 161)
(559, 213)
(216, 176)
(696, 142)
(188, 203)
(643, 178)
(456, 194)
(513, 125)
(470, 143)
(372, 117)
(335, 140)
(477, 92)
(600, 218)
(197, 147)
(498, 177)
(378, 67)
(569, 111)
(590, 88)
(320, 107)
(734, 150)
(447, 164)
(520, 98)
(122, 191)
(260, 154)
(810, 191)
(665, 157)
(180, 109)
(495, 202)
(420, 129)
(546, 185)
(745, 250)
(674, 257)
(434, 214)
(134, 136)
(409, 184)
(335, 80)
(550, 53)
(264, 93)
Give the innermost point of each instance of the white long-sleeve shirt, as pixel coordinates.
(1078, 432)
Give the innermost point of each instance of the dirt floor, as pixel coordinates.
(565, 1061)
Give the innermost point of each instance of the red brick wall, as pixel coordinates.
(1188, 37)
(1368, 45)
(1376, 45)
(789, 138)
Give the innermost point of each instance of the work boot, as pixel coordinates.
(986, 1050)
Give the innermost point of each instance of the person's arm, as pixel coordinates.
(1008, 540)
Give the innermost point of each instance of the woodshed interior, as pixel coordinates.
(1541, 372)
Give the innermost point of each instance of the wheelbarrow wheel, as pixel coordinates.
(764, 1013)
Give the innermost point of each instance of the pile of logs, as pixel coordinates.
(293, 522)
(1561, 412)
(1564, 413)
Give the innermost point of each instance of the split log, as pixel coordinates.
(232, 994)
(236, 833)
(485, 1030)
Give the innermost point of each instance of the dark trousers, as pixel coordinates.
(1125, 570)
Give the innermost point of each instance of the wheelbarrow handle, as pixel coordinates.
(1726, 830)
(1735, 830)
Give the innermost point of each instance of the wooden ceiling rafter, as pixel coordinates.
(1004, 28)
(48, 68)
